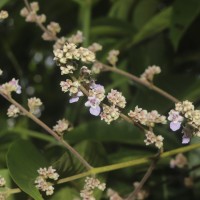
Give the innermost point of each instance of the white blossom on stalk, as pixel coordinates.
(95, 47)
(43, 183)
(62, 125)
(113, 57)
(3, 14)
(13, 111)
(150, 72)
(91, 184)
(76, 38)
(116, 98)
(151, 138)
(34, 105)
(11, 86)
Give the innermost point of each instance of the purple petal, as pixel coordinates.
(174, 126)
(73, 99)
(79, 94)
(185, 140)
(95, 111)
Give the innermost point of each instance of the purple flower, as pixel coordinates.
(93, 103)
(185, 139)
(75, 97)
(175, 119)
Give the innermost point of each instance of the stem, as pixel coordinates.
(50, 131)
(143, 181)
(86, 14)
(138, 80)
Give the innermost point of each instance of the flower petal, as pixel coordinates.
(95, 111)
(185, 139)
(174, 126)
(73, 99)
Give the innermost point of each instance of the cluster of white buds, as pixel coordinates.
(11, 86)
(59, 43)
(62, 126)
(42, 181)
(97, 67)
(113, 57)
(69, 52)
(91, 184)
(149, 73)
(34, 105)
(68, 69)
(31, 13)
(151, 138)
(52, 29)
(180, 161)
(109, 114)
(147, 118)
(95, 47)
(13, 111)
(3, 14)
(2, 182)
(76, 38)
(116, 98)
(185, 110)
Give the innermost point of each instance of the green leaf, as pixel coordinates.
(121, 9)
(92, 151)
(143, 12)
(23, 160)
(183, 14)
(155, 25)
(3, 2)
(100, 131)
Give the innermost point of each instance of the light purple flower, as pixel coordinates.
(175, 119)
(75, 97)
(185, 139)
(93, 103)
(15, 83)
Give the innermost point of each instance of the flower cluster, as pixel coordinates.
(3, 14)
(62, 126)
(13, 111)
(109, 114)
(72, 88)
(95, 47)
(147, 118)
(180, 161)
(76, 38)
(34, 105)
(96, 95)
(149, 73)
(52, 29)
(42, 181)
(31, 13)
(91, 184)
(97, 67)
(185, 110)
(113, 57)
(151, 138)
(69, 52)
(116, 98)
(11, 86)
(2, 182)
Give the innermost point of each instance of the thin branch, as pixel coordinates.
(148, 173)
(142, 82)
(49, 130)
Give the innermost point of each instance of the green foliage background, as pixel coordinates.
(147, 32)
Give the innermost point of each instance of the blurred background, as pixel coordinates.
(146, 32)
